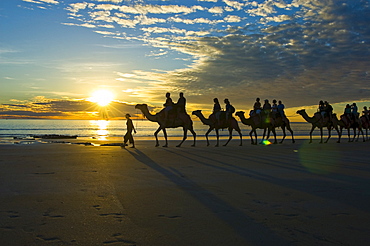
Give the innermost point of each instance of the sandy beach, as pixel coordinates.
(285, 194)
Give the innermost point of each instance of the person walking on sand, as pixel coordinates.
(128, 136)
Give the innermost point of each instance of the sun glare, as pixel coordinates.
(102, 97)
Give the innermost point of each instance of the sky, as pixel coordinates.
(55, 53)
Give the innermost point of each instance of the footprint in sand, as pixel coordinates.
(13, 214)
(169, 217)
(118, 239)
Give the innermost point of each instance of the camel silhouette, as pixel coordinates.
(283, 123)
(316, 121)
(181, 120)
(365, 125)
(257, 124)
(355, 125)
(230, 124)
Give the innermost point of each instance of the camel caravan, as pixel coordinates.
(266, 117)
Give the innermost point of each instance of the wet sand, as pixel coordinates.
(286, 194)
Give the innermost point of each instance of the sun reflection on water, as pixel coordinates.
(101, 129)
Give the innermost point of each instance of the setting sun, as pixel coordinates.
(102, 97)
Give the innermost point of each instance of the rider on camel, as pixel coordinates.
(216, 109)
(168, 105)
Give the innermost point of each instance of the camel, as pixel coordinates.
(365, 125)
(283, 123)
(317, 121)
(230, 124)
(342, 123)
(182, 120)
(256, 125)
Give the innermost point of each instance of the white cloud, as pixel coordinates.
(232, 18)
(76, 7)
(105, 33)
(42, 1)
(50, 1)
(234, 4)
(216, 10)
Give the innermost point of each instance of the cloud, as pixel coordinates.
(244, 49)
(42, 1)
(324, 57)
(41, 107)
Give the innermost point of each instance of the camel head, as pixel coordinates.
(141, 106)
(197, 112)
(240, 113)
(301, 111)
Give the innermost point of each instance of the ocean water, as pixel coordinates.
(101, 129)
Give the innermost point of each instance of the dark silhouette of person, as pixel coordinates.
(347, 114)
(281, 108)
(229, 109)
(267, 108)
(257, 107)
(274, 109)
(128, 136)
(354, 112)
(168, 105)
(181, 103)
(321, 109)
(216, 109)
(329, 110)
(365, 113)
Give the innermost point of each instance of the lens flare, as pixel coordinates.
(265, 142)
(316, 160)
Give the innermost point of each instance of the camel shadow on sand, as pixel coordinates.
(236, 219)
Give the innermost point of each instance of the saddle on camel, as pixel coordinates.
(267, 118)
(323, 118)
(349, 119)
(175, 113)
(221, 119)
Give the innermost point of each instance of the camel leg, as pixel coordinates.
(339, 134)
(230, 136)
(209, 130)
(268, 134)
(349, 134)
(263, 136)
(291, 132)
(217, 138)
(321, 133)
(362, 132)
(194, 136)
(354, 134)
(241, 137)
(313, 128)
(329, 134)
(165, 137)
(156, 136)
(184, 137)
(284, 134)
(255, 134)
(274, 132)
